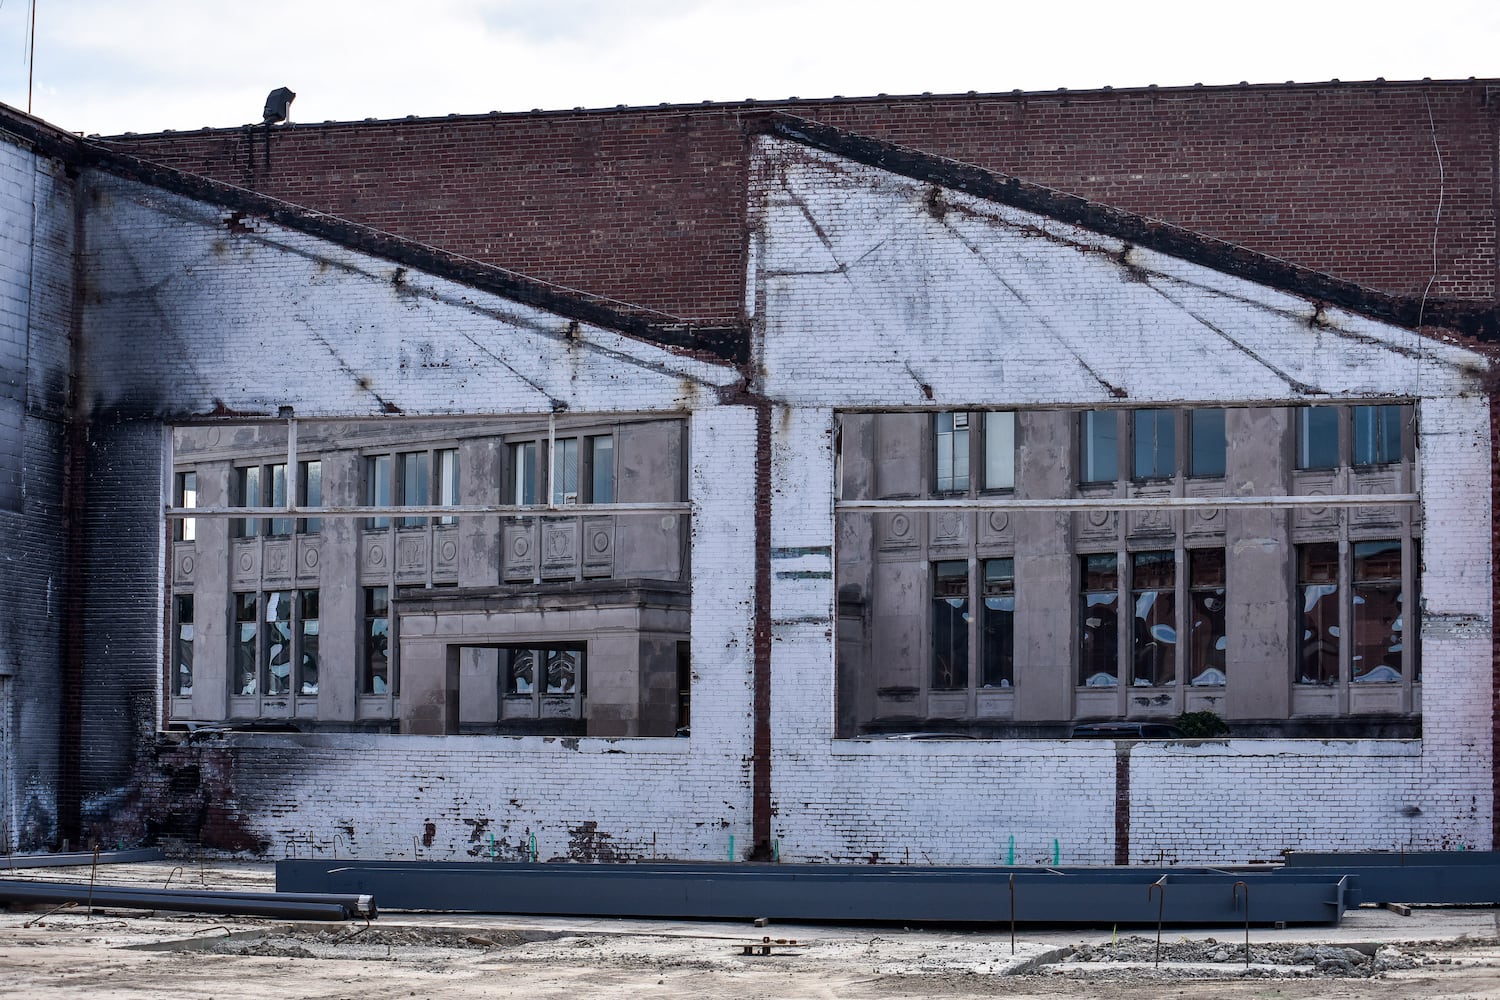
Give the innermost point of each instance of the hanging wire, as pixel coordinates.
(31, 55)
(1437, 218)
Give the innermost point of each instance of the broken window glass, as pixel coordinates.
(376, 642)
(182, 645)
(562, 670)
(246, 628)
(1317, 437)
(276, 643)
(1318, 598)
(951, 452)
(1378, 621)
(521, 673)
(1099, 603)
(1208, 642)
(1153, 595)
(1377, 434)
(1099, 452)
(997, 641)
(307, 612)
(950, 625)
(1206, 429)
(1155, 437)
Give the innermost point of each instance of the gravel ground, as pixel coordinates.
(1435, 952)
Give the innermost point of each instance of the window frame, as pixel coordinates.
(1191, 429)
(261, 645)
(185, 494)
(370, 614)
(949, 669)
(1095, 447)
(540, 697)
(989, 468)
(1375, 420)
(535, 463)
(1347, 583)
(1163, 448)
(1164, 672)
(1306, 451)
(1109, 652)
(181, 662)
(389, 481)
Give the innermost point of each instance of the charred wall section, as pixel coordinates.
(37, 237)
(118, 703)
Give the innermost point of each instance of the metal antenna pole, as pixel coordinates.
(31, 59)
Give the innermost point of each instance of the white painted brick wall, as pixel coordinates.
(864, 298)
(881, 304)
(188, 314)
(682, 798)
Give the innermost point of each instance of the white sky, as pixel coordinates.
(148, 65)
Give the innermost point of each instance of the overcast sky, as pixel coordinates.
(148, 65)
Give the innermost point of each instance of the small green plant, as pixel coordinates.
(1201, 725)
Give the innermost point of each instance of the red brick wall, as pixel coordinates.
(646, 205)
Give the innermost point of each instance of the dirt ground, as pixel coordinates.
(1433, 953)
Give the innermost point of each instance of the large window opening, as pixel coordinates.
(358, 522)
(1012, 573)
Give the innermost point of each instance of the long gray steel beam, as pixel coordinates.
(1459, 885)
(1391, 859)
(296, 906)
(838, 893)
(80, 858)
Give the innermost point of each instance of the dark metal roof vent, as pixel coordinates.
(278, 103)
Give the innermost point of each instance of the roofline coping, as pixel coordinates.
(1060, 94)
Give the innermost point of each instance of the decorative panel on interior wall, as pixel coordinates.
(1376, 517)
(1315, 484)
(1096, 527)
(276, 561)
(375, 557)
(1152, 521)
(598, 546)
(995, 529)
(184, 562)
(244, 563)
(445, 551)
(950, 529)
(1204, 522)
(518, 539)
(559, 548)
(411, 555)
(897, 531)
(309, 555)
